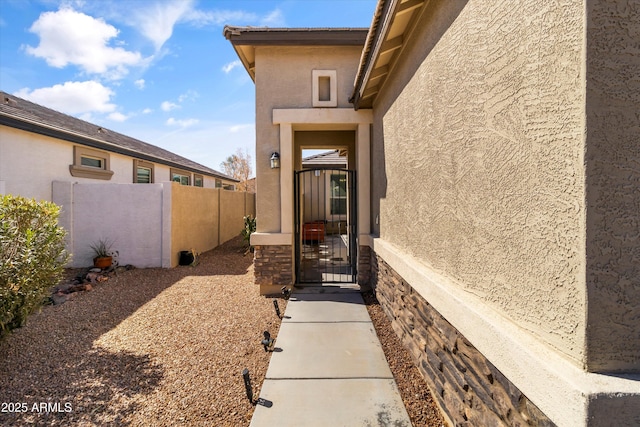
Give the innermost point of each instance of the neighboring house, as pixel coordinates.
(492, 193)
(39, 145)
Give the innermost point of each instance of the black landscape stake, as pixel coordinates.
(286, 292)
(247, 385)
(275, 305)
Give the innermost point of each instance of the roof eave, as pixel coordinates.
(245, 39)
(392, 17)
(54, 132)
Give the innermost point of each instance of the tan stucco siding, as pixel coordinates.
(235, 208)
(194, 219)
(480, 140)
(613, 185)
(284, 80)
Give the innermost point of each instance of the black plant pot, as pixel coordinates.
(186, 258)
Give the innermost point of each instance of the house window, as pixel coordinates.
(338, 198)
(180, 176)
(198, 180)
(230, 187)
(218, 183)
(324, 88)
(142, 172)
(90, 163)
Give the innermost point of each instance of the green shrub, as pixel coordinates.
(32, 257)
(249, 228)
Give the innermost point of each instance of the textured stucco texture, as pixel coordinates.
(481, 136)
(284, 80)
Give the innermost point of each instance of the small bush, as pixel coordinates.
(249, 228)
(32, 257)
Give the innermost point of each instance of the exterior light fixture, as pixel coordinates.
(267, 342)
(286, 292)
(275, 160)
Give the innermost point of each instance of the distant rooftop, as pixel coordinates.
(330, 158)
(21, 114)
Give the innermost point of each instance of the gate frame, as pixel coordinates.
(352, 222)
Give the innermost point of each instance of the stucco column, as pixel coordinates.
(363, 149)
(286, 178)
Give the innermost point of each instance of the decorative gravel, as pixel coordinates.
(152, 347)
(162, 347)
(415, 394)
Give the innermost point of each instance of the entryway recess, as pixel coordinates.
(325, 226)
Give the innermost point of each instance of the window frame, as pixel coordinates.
(137, 163)
(317, 77)
(198, 177)
(341, 197)
(181, 173)
(78, 170)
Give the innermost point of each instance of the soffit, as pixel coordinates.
(392, 25)
(245, 39)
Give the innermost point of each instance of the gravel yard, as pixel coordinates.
(161, 347)
(148, 347)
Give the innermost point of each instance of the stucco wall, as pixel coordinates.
(129, 216)
(148, 224)
(30, 162)
(480, 138)
(233, 208)
(283, 80)
(613, 185)
(194, 219)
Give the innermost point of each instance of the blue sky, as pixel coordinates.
(158, 70)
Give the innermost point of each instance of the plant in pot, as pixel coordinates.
(101, 251)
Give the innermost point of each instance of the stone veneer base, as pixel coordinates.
(273, 265)
(468, 388)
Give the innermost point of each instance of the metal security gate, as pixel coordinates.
(325, 226)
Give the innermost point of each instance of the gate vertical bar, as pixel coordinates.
(296, 228)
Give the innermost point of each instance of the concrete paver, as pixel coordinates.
(331, 403)
(328, 367)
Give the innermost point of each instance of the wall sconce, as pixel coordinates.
(275, 160)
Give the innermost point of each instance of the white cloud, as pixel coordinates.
(156, 23)
(72, 97)
(168, 106)
(147, 111)
(70, 37)
(189, 95)
(239, 128)
(117, 117)
(273, 19)
(139, 83)
(182, 123)
(201, 18)
(231, 65)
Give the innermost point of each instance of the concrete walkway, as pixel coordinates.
(328, 368)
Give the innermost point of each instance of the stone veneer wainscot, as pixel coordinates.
(467, 387)
(272, 265)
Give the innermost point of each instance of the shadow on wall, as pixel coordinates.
(446, 13)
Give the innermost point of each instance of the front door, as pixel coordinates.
(325, 226)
